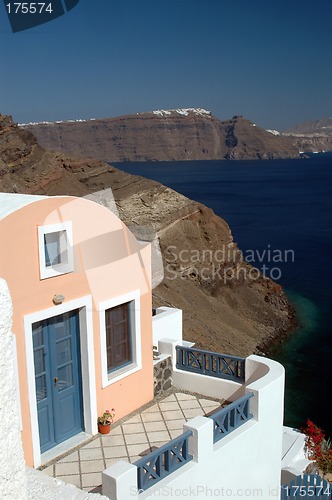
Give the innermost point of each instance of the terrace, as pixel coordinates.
(213, 446)
(185, 437)
(132, 438)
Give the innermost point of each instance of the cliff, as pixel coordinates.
(315, 135)
(189, 134)
(224, 309)
(320, 127)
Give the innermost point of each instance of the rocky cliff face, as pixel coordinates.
(320, 127)
(224, 308)
(189, 134)
(312, 143)
(314, 135)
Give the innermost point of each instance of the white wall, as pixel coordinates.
(17, 481)
(244, 464)
(12, 468)
(43, 487)
(167, 323)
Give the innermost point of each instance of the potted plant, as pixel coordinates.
(105, 421)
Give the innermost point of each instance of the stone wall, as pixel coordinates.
(162, 375)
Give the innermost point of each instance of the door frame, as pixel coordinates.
(84, 305)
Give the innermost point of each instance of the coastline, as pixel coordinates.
(267, 345)
(299, 353)
(306, 322)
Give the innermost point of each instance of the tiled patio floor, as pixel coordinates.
(130, 439)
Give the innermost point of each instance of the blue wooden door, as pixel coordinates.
(58, 378)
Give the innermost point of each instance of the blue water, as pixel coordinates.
(282, 205)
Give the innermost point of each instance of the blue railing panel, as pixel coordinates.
(231, 417)
(163, 461)
(307, 486)
(210, 363)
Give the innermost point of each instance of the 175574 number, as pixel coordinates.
(29, 8)
(323, 490)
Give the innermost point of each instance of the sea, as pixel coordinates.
(280, 214)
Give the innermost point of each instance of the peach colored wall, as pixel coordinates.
(137, 389)
(108, 262)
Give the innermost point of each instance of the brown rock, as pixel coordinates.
(169, 135)
(223, 309)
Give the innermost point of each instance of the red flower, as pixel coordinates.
(319, 449)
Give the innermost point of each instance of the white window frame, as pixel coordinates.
(63, 267)
(136, 346)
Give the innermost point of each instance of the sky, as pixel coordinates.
(269, 61)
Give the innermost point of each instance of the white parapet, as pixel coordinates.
(201, 441)
(119, 481)
(265, 378)
(167, 323)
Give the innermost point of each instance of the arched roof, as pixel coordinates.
(10, 202)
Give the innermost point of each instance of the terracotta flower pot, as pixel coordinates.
(104, 429)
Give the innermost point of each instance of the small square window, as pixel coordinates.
(55, 246)
(55, 250)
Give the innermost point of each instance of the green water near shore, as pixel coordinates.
(298, 354)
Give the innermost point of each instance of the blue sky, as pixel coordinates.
(267, 60)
